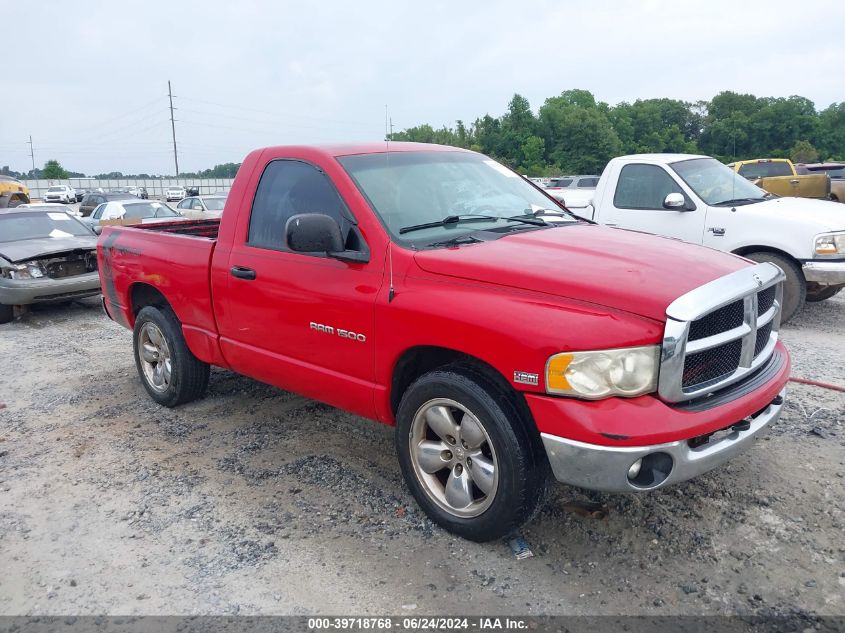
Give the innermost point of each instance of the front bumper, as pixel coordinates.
(826, 273)
(26, 291)
(606, 468)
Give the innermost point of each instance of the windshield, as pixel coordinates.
(56, 189)
(144, 210)
(715, 183)
(214, 204)
(412, 188)
(31, 226)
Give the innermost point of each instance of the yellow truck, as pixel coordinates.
(12, 192)
(778, 176)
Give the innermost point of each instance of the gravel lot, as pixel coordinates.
(257, 501)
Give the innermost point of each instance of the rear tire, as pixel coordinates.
(15, 202)
(7, 313)
(480, 474)
(816, 293)
(171, 374)
(794, 287)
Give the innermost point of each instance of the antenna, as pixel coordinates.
(388, 123)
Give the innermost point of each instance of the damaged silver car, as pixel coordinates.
(45, 255)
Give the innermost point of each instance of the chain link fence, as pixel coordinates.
(155, 186)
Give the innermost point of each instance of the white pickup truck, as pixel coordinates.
(700, 200)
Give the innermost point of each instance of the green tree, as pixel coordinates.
(830, 134)
(803, 152)
(533, 150)
(53, 170)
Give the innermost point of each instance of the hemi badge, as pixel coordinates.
(525, 378)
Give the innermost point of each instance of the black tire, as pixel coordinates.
(188, 375)
(521, 464)
(7, 313)
(15, 202)
(816, 292)
(794, 287)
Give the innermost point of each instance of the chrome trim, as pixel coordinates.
(605, 468)
(830, 273)
(742, 285)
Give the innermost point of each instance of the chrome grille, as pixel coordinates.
(720, 332)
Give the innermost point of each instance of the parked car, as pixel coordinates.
(559, 188)
(12, 192)
(92, 200)
(130, 212)
(202, 206)
(53, 207)
(60, 193)
(437, 290)
(778, 176)
(174, 193)
(45, 256)
(836, 173)
(80, 193)
(697, 199)
(143, 193)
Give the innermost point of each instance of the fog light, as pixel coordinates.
(634, 470)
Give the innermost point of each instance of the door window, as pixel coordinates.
(643, 187)
(288, 188)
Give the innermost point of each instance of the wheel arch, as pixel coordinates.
(421, 359)
(748, 250)
(142, 294)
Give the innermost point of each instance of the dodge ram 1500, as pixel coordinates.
(436, 290)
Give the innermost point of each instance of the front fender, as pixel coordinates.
(508, 329)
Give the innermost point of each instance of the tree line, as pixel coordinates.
(574, 133)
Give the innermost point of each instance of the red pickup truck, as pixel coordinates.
(436, 290)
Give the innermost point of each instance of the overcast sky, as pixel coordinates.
(88, 80)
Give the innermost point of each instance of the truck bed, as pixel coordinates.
(195, 228)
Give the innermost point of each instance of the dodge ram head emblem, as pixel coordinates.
(757, 279)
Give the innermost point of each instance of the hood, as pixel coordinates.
(626, 270)
(825, 214)
(24, 250)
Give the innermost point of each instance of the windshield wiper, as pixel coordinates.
(449, 219)
(527, 219)
(727, 203)
(457, 240)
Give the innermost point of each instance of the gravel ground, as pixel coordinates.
(258, 501)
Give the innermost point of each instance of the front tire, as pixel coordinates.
(171, 374)
(467, 454)
(794, 287)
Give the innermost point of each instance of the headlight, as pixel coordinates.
(30, 270)
(627, 372)
(830, 244)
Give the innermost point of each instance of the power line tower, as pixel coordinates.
(31, 153)
(173, 127)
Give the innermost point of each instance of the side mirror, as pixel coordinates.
(98, 229)
(319, 233)
(675, 201)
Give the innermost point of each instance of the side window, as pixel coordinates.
(197, 204)
(643, 187)
(183, 204)
(288, 188)
(98, 212)
(588, 183)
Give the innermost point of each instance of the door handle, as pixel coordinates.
(243, 273)
(794, 181)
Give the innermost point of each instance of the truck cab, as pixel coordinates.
(697, 199)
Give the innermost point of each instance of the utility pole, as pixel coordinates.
(386, 124)
(173, 127)
(31, 153)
